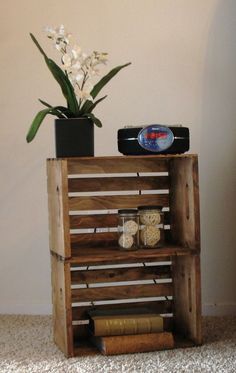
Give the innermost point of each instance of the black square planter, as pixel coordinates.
(74, 137)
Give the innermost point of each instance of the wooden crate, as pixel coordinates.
(88, 269)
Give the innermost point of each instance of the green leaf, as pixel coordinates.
(94, 119)
(44, 103)
(38, 45)
(89, 105)
(61, 109)
(97, 88)
(61, 78)
(38, 120)
(36, 124)
(58, 113)
(65, 84)
(65, 111)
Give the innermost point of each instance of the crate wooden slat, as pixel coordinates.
(118, 183)
(116, 202)
(94, 239)
(100, 221)
(89, 271)
(161, 307)
(93, 221)
(101, 165)
(120, 292)
(120, 274)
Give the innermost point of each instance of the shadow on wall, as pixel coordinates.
(218, 157)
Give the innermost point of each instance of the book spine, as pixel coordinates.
(124, 326)
(114, 345)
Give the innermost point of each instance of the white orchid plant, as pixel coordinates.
(76, 77)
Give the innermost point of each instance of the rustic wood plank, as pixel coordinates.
(102, 239)
(164, 306)
(116, 164)
(116, 202)
(182, 342)
(120, 274)
(61, 299)
(184, 202)
(82, 346)
(101, 220)
(93, 221)
(187, 297)
(121, 164)
(113, 255)
(121, 292)
(118, 183)
(196, 202)
(59, 234)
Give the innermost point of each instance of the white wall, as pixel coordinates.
(183, 56)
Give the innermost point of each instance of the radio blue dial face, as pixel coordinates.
(155, 138)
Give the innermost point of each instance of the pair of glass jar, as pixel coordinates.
(141, 228)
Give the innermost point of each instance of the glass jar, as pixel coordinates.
(151, 230)
(128, 229)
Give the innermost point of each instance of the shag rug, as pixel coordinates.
(26, 345)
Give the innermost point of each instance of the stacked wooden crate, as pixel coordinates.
(89, 271)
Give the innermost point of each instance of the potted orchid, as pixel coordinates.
(77, 75)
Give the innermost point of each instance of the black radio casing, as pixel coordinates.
(128, 144)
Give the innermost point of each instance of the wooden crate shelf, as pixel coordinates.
(105, 255)
(90, 271)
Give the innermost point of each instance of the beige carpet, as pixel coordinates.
(26, 346)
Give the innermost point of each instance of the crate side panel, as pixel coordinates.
(61, 299)
(184, 202)
(59, 233)
(187, 297)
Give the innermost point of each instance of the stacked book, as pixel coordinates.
(128, 331)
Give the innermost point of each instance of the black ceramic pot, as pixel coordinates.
(74, 137)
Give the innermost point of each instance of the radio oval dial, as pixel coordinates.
(155, 138)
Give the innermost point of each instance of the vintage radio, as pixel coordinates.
(153, 139)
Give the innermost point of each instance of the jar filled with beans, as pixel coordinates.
(151, 231)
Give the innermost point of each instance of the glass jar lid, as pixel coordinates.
(152, 207)
(127, 211)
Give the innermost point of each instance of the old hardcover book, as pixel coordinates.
(125, 324)
(122, 344)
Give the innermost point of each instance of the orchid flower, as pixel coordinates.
(76, 77)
